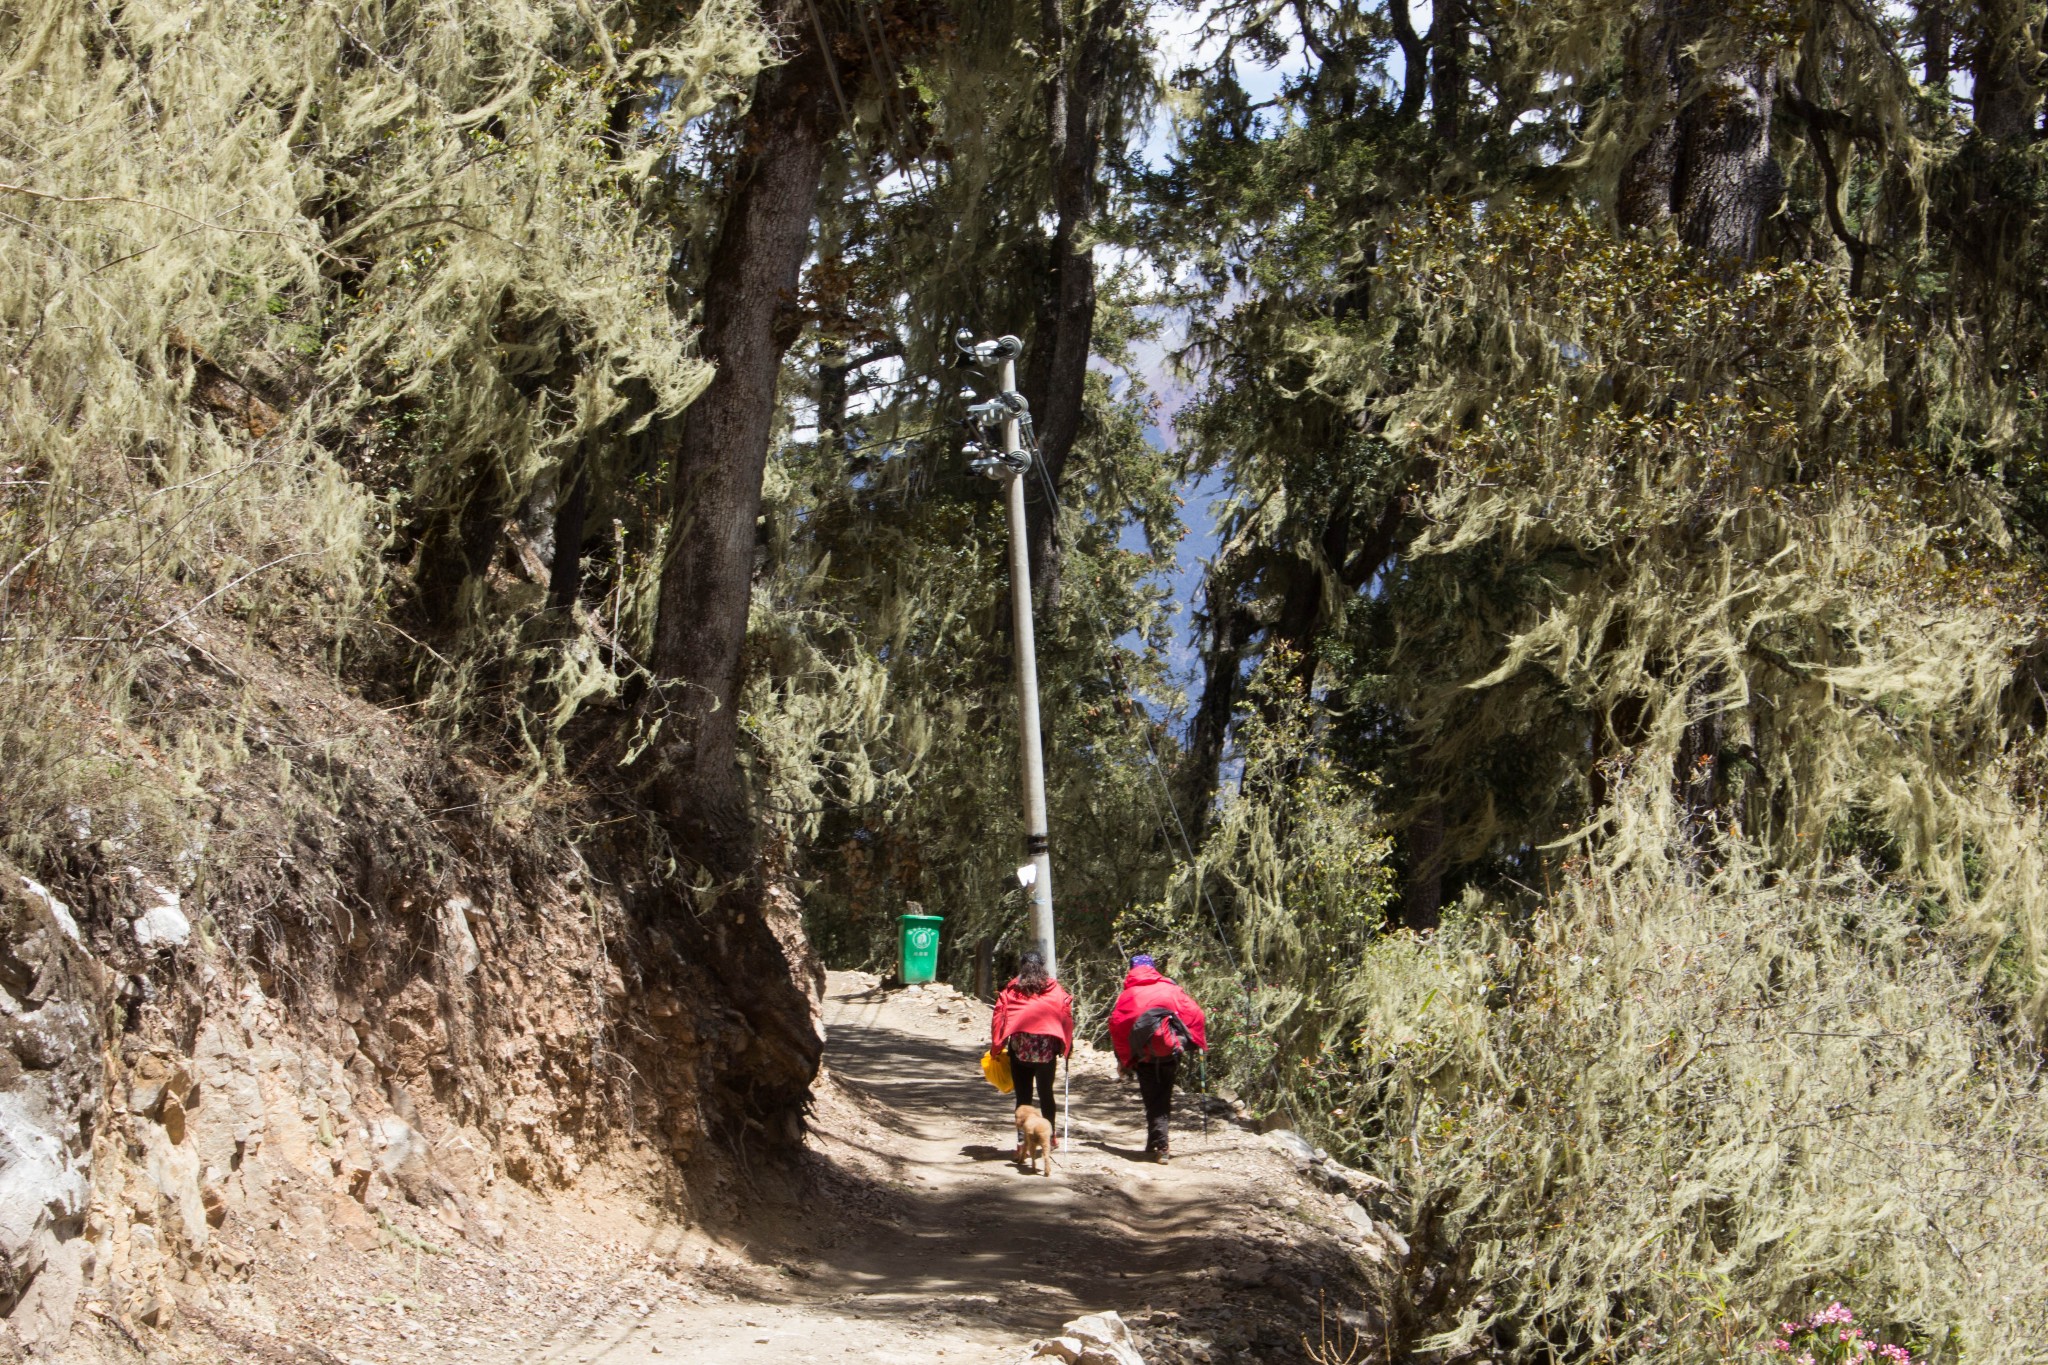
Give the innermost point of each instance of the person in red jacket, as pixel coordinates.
(1151, 1024)
(1034, 1019)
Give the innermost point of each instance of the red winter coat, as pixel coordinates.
(1050, 1012)
(1145, 989)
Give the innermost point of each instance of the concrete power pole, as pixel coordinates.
(1008, 414)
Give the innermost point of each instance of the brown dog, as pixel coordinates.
(1034, 1137)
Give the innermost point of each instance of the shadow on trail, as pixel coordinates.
(916, 1078)
(1014, 1248)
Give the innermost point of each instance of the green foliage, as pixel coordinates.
(1711, 1073)
(1647, 1117)
(279, 286)
(1270, 918)
(1664, 1117)
(1707, 631)
(1694, 474)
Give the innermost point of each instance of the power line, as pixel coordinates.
(1252, 1013)
(1009, 407)
(895, 69)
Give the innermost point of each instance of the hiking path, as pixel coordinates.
(930, 1243)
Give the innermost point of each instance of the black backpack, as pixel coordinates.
(1158, 1034)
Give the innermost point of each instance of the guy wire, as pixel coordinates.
(1252, 1013)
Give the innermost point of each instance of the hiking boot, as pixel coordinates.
(1159, 1154)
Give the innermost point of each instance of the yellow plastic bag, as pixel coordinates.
(996, 1066)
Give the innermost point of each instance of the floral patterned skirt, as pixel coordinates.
(1034, 1047)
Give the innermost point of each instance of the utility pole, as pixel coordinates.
(1008, 416)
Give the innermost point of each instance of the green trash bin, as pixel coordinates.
(919, 951)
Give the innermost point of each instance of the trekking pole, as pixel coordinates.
(1202, 1069)
(1067, 1101)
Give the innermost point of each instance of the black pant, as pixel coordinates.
(1155, 1083)
(1027, 1074)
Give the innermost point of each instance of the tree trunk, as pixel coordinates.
(1937, 44)
(565, 574)
(1727, 183)
(1696, 767)
(706, 585)
(457, 548)
(1422, 891)
(1450, 45)
(1706, 158)
(749, 322)
(832, 395)
(1705, 162)
(1650, 82)
(2003, 58)
(1230, 633)
(1414, 60)
(1056, 370)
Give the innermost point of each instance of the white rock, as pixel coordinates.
(39, 1181)
(1056, 1348)
(1375, 1240)
(1291, 1144)
(42, 1319)
(394, 1142)
(1366, 1247)
(1105, 1340)
(59, 911)
(1375, 1233)
(457, 939)
(1359, 1219)
(163, 924)
(1338, 1178)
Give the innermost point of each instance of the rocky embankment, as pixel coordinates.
(363, 1006)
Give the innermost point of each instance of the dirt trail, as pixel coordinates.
(925, 1241)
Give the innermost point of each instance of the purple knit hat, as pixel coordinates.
(1143, 960)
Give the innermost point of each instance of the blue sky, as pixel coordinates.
(1181, 38)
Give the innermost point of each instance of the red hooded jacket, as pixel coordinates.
(1145, 989)
(1050, 1012)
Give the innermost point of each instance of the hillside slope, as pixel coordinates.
(368, 1008)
